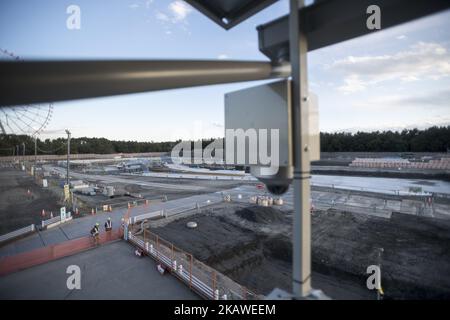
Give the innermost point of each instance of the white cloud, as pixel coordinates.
(432, 100)
(179, 10)
(162, 16)
(352, 84)
(148, 3)
(133, 6)
(401, 37)
(430, 61)
(223, 56)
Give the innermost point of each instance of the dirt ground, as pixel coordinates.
(252, 245)
(18, 208)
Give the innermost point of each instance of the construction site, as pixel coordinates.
(123, 204)
(236, 232)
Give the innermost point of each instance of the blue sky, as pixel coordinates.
(394, 79)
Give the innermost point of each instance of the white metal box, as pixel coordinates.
(268, 106)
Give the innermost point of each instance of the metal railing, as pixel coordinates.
(17, 233)
(145, 216)
(204, 280)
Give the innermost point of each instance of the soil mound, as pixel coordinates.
(260, 214)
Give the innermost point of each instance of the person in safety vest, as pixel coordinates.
(95, 233)
(108, 224)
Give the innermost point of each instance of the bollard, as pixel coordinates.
(43, 213)
(92, 211)
(151, 249)
(174, 265)
(51, 215)
(224, 297)
(180, 269)
(146, 246)
(216, 294)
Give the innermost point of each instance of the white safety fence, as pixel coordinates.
(198, 176)
(173, 211)
(17, 233)
(55, 221)
(372, 190)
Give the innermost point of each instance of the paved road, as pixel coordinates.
(118, 179)
(80, 227)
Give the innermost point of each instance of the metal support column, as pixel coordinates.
(68, 156)
(301, 284)
(35, 154)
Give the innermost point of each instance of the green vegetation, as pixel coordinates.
(434, 139)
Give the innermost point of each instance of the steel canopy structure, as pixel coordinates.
(328, 22)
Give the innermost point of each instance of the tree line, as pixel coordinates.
(434, 139)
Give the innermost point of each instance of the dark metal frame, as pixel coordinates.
(233, 16)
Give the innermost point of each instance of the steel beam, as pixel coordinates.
(329, 22)
(301, 238)
(49, 81)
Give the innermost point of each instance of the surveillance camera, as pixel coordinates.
(278, 183)
(277, 189)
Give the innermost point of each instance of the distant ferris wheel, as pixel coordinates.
(27, 119)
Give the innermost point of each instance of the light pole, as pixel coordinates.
(68, 156)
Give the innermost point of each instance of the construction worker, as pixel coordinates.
(95, 231)
(108, 224)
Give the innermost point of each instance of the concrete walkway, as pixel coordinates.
(111, 271)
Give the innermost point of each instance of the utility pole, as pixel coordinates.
(301, 282)
(35, 151)
(68, 156)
